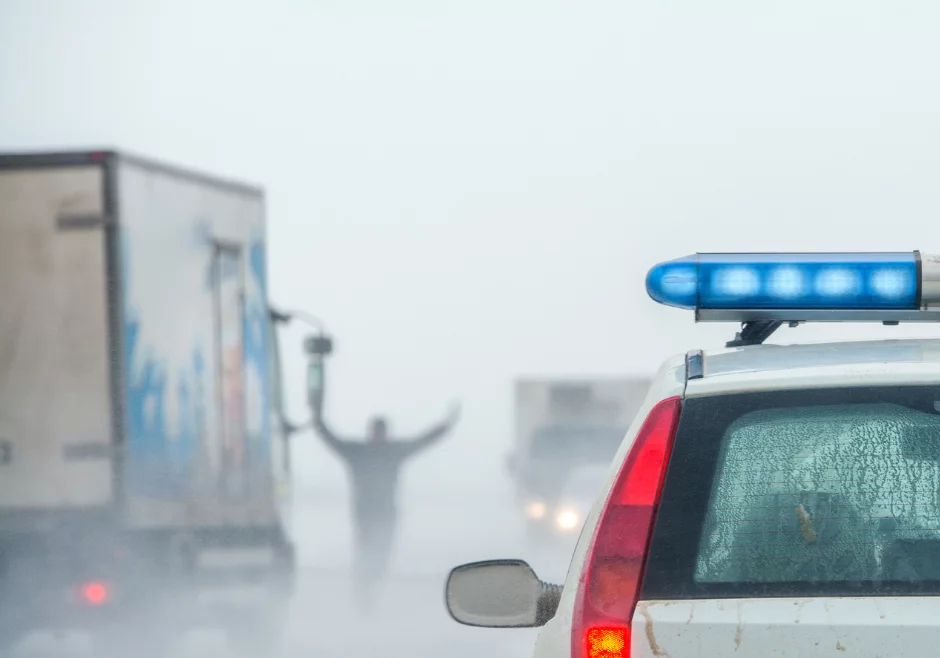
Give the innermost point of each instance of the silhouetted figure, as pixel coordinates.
(374, 465)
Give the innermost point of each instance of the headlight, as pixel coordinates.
(535, 509)
(567, 519)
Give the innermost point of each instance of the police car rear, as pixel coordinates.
(769, 500)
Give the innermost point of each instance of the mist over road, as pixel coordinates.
(439, 529)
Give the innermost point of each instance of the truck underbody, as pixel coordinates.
(125, 587)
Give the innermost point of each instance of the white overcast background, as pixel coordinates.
(470, 191)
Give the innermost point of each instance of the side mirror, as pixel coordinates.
(500, 594)
(319, 345)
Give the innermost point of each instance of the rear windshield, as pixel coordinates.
(823, 492)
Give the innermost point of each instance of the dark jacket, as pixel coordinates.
(374, 466)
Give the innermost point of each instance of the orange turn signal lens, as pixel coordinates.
(608, 643)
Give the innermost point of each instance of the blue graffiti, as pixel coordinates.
(158, 464)
(161, 464)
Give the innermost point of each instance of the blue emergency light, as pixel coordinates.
(764, 290)
(788, 281)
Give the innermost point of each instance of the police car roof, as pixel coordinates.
(768, 366)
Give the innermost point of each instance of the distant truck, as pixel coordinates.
(566, 429)
(142, 446)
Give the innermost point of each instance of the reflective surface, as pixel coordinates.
(498, 593)
(836, 493)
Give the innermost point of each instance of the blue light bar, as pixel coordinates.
(875, 281)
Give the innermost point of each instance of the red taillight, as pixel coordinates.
(610, 582)
(95, 593)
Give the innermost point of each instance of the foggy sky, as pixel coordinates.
(470, 191)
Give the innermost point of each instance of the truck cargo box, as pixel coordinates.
(134, 344)
(562, 427)
(599, 403)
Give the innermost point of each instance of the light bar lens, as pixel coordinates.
(787, 281)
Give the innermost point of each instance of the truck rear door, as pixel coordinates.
(55, 367)
(229, 322)
(798, 523)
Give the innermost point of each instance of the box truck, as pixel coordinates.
(567, 432)
(141, 443)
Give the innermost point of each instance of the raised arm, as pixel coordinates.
(340, 446)
(433, 435)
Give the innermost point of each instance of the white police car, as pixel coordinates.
(768, 500)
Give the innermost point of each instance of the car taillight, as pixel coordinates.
(610, 581)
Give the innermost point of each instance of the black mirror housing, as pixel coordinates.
(319, 345)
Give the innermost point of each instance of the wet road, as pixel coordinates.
(439, 530)
(409, 620)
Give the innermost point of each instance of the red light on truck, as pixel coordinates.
(610, 583)
(95, 593)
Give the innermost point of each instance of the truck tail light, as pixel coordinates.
(611, 578)
(95, 593)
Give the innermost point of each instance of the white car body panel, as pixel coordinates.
(755, 628)
(743, 628)
(780, 367)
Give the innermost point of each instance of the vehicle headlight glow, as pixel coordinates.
(535, 509)
(567, 519)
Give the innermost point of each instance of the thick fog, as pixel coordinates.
(470, 192)
(466, 192)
